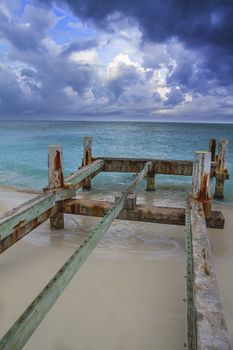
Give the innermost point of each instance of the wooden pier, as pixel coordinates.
(205, 322)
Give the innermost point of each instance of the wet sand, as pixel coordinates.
(127, 295)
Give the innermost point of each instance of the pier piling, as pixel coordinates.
(201, 180)
(55, 181)
(150, 181)
(212, 149)
(87, 159)
(130, 201)
(221, 172)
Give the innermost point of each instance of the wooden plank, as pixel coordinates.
(211, 326)
(159, 166)
(24, 230)
(23, 328)
(77, 177)
(24, 213)
(154, 214)
(20, 216)
(191, 336)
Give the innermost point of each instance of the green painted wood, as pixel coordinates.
(23, 328)
(15, 236)
(63, 194)
(190, 305)
(21, 215)
(211, 328)
(84, 172)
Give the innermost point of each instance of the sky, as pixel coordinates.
(150, 60)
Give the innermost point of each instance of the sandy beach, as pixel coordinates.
(127, 295)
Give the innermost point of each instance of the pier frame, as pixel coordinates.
(23, 328)
(205, 320)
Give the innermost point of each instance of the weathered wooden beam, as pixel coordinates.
(55, 181)
(191, 336)
(159, 166)
(75, 180)
(201, 180)
(21, 218)
(211, 329)
(155, 214)
(24, 213)
(24, 230)
(87, 159)
(221, 172)
(23, 328)
(133, 165)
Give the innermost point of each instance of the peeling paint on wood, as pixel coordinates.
(155, 214)
(77, 177)
(201, 180)
(24, 230)
(55, 173)
(222, 156)
(221, 172)
(55, 181)
(159, 166)
(210, 322)
(23, 214)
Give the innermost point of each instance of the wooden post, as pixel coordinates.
(201, 180)
(130, 201)
(87, 159)
(150, 183)
(55, 180)
(222, 156)
(212, 149)
(221, 172)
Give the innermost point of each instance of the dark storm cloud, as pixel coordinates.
(196, 23)
(203, 25)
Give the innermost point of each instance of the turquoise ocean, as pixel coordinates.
(23, 145)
